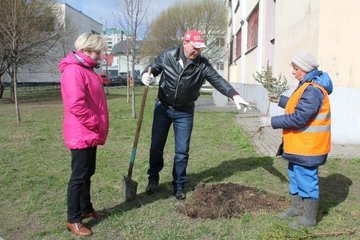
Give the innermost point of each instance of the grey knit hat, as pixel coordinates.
(305, 61)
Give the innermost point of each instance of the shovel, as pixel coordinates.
(129, 185)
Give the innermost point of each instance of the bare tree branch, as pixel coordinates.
(28, 31)
(133, 20)
(167, 30)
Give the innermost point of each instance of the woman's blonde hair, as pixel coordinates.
(90, 42)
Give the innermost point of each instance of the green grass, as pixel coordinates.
(35, 167)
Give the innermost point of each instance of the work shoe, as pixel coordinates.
(180, 195)
(96, 215)
(152, 186)
(79, 229)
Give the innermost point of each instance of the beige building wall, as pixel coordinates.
(297, 28)
(338, 54)
(250, 66)
(234, 73)
(326, 28)
(339, 38)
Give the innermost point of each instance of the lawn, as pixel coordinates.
(35, 167)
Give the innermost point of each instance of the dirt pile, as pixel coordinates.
(228, 200)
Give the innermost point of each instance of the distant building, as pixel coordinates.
(121, 52)
(113, 36)
(75, 23)
(274, 31)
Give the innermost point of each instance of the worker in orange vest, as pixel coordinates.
(306, 137)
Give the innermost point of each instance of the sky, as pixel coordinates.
(104, 11)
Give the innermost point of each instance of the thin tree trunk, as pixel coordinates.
(128, 71)
(17, 109)
(133, 85)
(12, 89)
(2, 88)
(133, 99)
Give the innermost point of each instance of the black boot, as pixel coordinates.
(180, 195)
(295, 208)
(308, 218)
(152, 185)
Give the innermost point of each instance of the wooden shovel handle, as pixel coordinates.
(138, 128)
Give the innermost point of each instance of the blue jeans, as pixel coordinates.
(303, 181)
(182, 120)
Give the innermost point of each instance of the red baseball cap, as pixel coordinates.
(195, 37)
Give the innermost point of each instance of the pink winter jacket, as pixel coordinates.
(86, 120)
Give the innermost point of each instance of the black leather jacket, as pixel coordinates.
(180, 87)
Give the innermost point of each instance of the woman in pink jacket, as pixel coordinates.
(86, 124)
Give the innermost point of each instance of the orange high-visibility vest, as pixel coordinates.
(315, 138)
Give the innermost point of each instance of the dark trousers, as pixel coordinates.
(83, 164)
(182, 120)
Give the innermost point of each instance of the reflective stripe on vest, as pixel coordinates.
(314, 129)
(315, 138)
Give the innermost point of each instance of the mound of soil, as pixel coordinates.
(228, 200)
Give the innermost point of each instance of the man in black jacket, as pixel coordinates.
(183, 71)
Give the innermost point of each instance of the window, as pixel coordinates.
(238, 44)
(252, 36)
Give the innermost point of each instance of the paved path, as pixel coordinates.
(267, 140)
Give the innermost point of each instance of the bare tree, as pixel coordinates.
(4, 65)
(133, 20)
(167, 30)
(28, 31)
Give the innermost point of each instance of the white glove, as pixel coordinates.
(240, 101)
(265, 122)
(147, 79)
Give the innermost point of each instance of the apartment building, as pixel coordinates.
(75, 23)
(114, 37)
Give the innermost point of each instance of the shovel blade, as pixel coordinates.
(129, 189)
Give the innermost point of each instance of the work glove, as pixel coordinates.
(265, 122)
(147, 79)
(239, 101)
